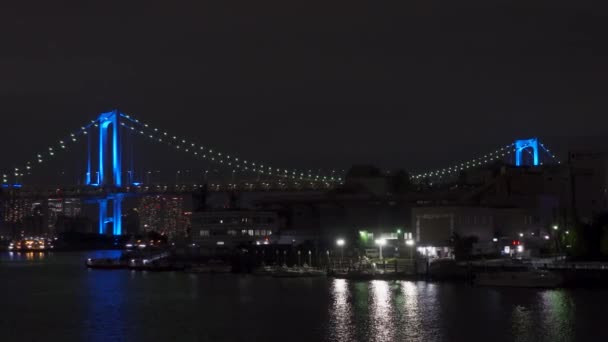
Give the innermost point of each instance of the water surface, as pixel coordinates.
(53, 297)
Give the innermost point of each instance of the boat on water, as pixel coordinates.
(532, 278)
(298, 272)
(289, 272)
(362, 270)
(265, 270)
(358, 275)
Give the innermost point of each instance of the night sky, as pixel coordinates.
(412, 84)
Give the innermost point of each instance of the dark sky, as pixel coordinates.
(412, 84)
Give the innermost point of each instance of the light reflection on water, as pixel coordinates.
(382, 328)
(419, 311)
(558, 312)
(97, 305)
(383, 311)
(340, 312)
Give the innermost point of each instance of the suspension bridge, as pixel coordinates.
(107, 181)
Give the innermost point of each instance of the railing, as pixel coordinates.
(388, 266)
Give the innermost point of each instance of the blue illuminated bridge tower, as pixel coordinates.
(523, 145)
(108, 174)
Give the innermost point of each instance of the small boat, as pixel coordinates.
(297, 272)
(358, 275)
(526, 278)
(106, 264)
(265, 270)
(363, 270)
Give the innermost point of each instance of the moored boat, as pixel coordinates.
(297, 272)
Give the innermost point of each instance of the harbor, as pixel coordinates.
(539, 273)
(266, 306)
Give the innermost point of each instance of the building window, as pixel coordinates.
(250, 232)
(232, 232)
(204, 233)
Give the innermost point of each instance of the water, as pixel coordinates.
(54, 297)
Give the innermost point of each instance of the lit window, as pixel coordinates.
(250, 232)
(204, 233)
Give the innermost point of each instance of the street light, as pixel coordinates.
(411, 243)
(341, 243)
(380, 242)
(555, 227)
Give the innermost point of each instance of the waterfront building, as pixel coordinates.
(230, 228)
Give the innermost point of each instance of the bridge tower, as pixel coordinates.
(523, 144)
(109, 152)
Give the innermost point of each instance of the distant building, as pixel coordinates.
(163, 214)
(227, 229)
(62, 207)
(13, 214)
